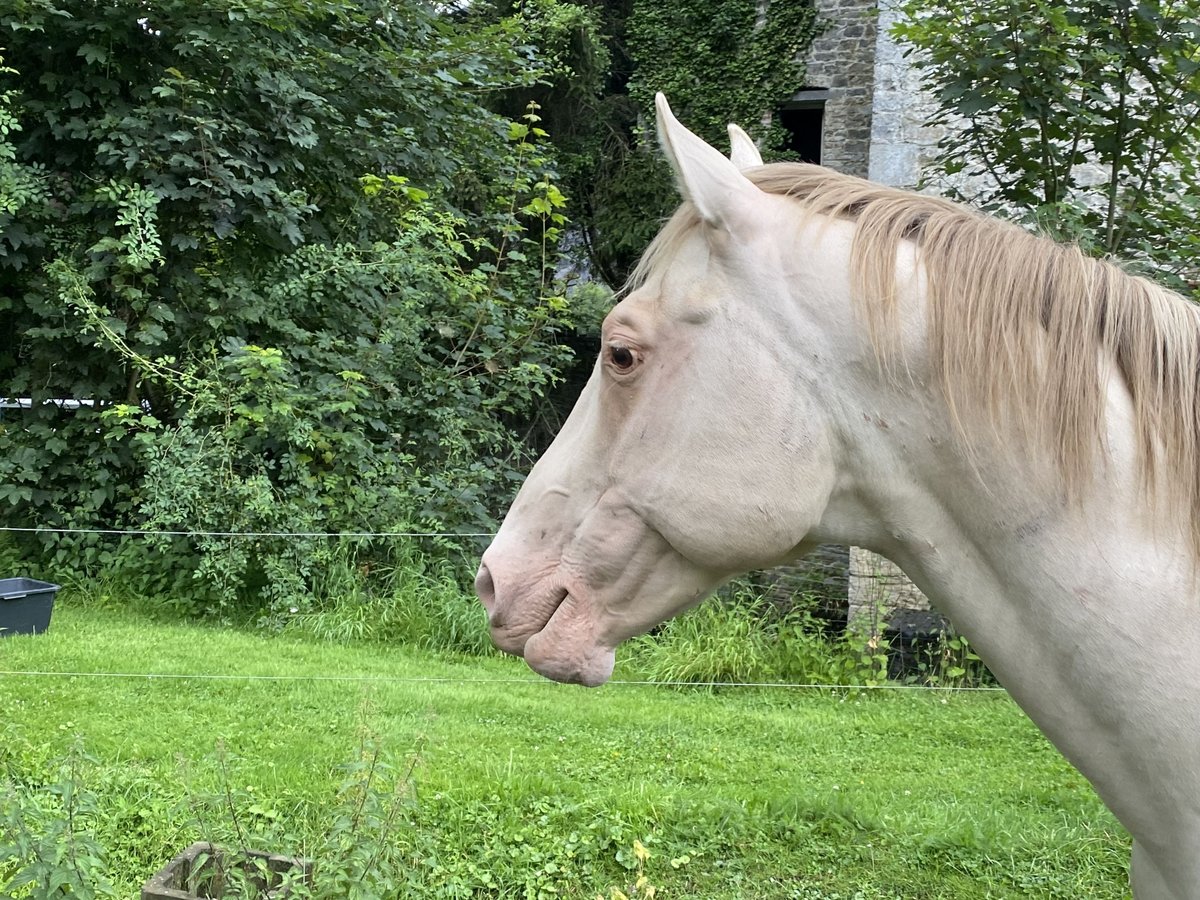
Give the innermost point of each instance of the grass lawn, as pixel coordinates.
(523, 788)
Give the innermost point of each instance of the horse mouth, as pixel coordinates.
(510, 633)
(567, 649)
(563, 629)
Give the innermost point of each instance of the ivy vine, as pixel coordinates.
(721, 61)
(718, 61)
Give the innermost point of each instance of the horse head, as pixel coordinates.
(699, 448)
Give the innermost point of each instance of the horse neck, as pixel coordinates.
(1085, 606)
(964, 504)
(987, 512)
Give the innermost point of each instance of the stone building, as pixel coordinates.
(841, 78)
(862, 108)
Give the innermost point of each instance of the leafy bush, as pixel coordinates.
(391, 422)
(298, 275)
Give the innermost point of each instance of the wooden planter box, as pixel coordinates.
(25, 605)
(202, 871)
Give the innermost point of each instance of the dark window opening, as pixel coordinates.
(802, 119)
(803, 127)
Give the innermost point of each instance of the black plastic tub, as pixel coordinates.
(25, 605)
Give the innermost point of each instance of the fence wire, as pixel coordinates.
(829, 565)
(864, 584)
(138, 532)
(839, 585)
(544, 682)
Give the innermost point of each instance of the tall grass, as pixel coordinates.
(418, 600)
(741, 637)
(414, 599)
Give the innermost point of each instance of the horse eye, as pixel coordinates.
(622, 358)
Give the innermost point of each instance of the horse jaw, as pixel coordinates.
(564, 605)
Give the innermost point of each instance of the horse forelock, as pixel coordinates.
(677, 229)
(1021, 329)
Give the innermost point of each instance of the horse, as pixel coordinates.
(803, 357)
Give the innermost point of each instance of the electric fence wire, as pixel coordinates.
(136, 532)
(810, 565)
(400, 680)
(706, 685)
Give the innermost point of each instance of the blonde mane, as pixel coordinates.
(1021, 329)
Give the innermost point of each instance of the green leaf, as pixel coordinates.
(92, 53)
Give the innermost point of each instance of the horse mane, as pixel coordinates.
(1023, 331)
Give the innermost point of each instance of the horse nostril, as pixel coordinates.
(485, 588)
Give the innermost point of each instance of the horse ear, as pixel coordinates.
(742, 151)
(713, 183)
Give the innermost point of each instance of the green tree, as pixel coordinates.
(584, 98)
(718, 60)
(1081, 117)
(297, 268)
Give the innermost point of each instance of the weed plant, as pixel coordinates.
(47, 845)
(358, 849)
(368, 841)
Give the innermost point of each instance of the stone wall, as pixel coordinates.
(842, 61)
(901, 138)
(823, 576)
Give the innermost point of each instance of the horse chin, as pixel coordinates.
(567, 650)
(589, 666)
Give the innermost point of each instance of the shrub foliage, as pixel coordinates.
(287, 268)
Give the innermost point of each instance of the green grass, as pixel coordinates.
(522, 788)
